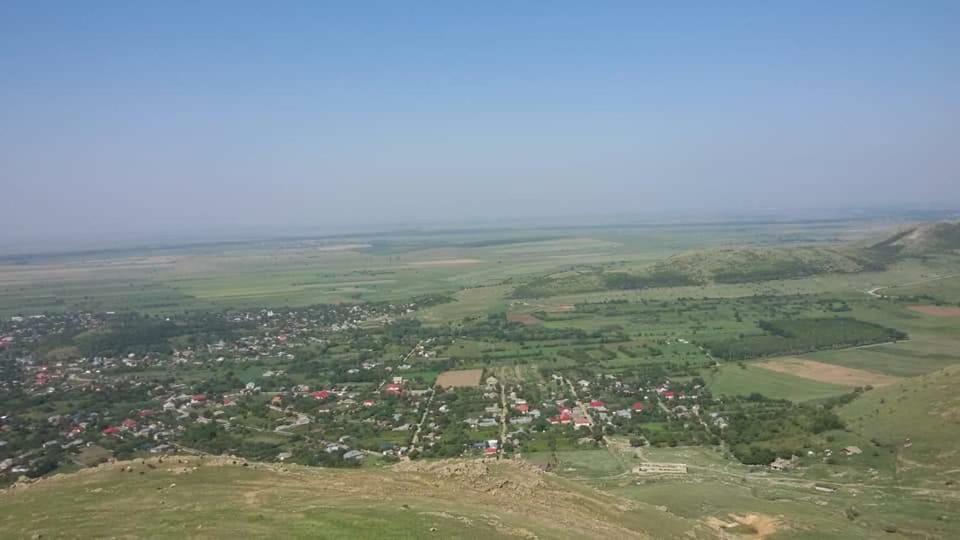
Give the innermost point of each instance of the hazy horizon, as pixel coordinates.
(129, 121)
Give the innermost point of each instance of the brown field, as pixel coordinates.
(937, 311)
(446, 262)
(460, 378)
(524, 318)
(828, 373)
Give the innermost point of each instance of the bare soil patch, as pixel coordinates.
(524, 318)
(447, 262)
(937, 311)
(753, 526)
(828, 373)
(460, 378)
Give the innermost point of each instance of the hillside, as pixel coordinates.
(924, 239)
(722, 265)
(919, 419)
(225, 498)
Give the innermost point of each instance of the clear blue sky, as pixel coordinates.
(147, 116)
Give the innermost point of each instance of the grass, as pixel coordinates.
(734, 380)
(187, 497)
(917, 419)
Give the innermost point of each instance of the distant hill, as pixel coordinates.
(223, 498)
(924, 239)
(919, 418)
(752, 265)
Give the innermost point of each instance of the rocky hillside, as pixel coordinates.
(178, 497)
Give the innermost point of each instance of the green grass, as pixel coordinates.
(916, 418)
(733, 380)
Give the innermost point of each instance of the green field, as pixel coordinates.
(734, 380)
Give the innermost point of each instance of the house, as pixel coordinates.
(637, 407)
(112, 431)
(598, 405)
(129, 424)
(321, 394)
(852, 451)
(393, 389)
(490, 451)
(522, 408)
(369, 403)
(276, 401)
(198, 399)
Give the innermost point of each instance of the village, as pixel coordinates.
(344, 385)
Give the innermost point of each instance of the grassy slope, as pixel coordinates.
(221, 500)
(925, 410)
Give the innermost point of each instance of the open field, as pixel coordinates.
(827, 373)
(460, 378)
(735, 380)
(936, 311)
(523, 318)
(382, 267)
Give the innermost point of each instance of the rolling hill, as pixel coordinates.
(752, 265)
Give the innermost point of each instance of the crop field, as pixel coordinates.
(819, 371)
(460, 378)
(737, 380)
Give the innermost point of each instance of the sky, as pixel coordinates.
(138, 118)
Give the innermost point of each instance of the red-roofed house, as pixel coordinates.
(490, 451)
(669, 394)
(522, 408)
(597, 404)
(111, 430)
(638, 406)
(393, 389)
(129, 423)
(198, 399)
(321, 394)
(369, 403)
